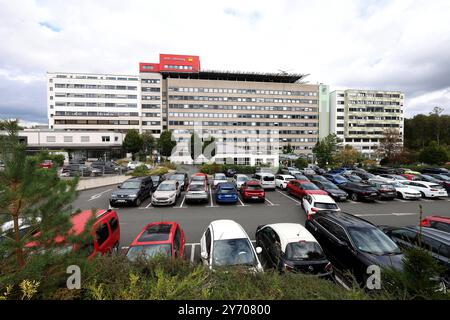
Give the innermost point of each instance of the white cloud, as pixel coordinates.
(376, 44)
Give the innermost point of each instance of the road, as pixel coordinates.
(279, 207)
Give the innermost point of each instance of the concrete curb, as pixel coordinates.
(101, 182)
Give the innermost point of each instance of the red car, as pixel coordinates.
(436, 222)
(252, 190)
(48, 164)
(105, 233)
(158, 238)
(200, 174)
(300, 188)
(410, 176)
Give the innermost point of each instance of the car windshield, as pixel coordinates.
(220, 176)
(254, 187)
(397, 177)
(309, 186)
(166, 187)
(301, 177)
(198, 178)
(196, 187)
(430, 178)
(373, 240)
(155, 178)
(324, 205)
(268, 178)
(289, 179)
(226, 190)
(329, 185)
(304, 250)
(176, 177)
(443, 177)
(149, 251)
(339, 178)
(398, 185)
(130, 185)
(233, 252)
(242, 178)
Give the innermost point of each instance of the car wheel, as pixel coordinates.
(138, 202)
(400, 195)
(354, 197)
(423, 194)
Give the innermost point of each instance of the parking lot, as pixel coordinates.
(278, 207)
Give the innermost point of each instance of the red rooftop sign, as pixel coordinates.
(172, 63)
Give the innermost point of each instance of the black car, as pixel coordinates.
(436, 241)
(386, 191)
(316, 177)
(384, 170)
(352, 177)
(332, 189)
(353, 244)
(78, 170)
(229, 173)
(444, 180)
(436, 171)
(181, 177)
(364, 175)
(318, 170)
(107, 167)
(288, 247)
(360, 191)
(299, 176)
(156, 180)
(133, 191)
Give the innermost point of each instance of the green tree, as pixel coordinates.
(195, 146)
(325, 149)
(434, 154)
(301, 163)
(348, 156)
(166, 143)
(287, 149)
(132, 142)
(31, 195)
(209, 147)
(390, 145)
(148, 142)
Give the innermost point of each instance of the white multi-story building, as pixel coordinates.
(360, 117)
(80, 101)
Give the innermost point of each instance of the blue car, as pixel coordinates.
(226, 193)
(337, 179)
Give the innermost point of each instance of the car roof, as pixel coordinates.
(426, 183)
(156, 232)
(197, 182)
(286, 176)
(438, 218)
(343, 218)
(322, 198)
(440, 235)
(219, 174)
(225, 185)
(291, 232)
(169, 182)
(136, 179)
(255, 182)
(241, 175)
(227, 229)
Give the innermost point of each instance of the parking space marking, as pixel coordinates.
(98, 195)
(296, 201)
(211, 198)
(400, 200)
(271, 203)
(181, 205)
(404, 214)
(192, 253)
(149, 205)
(426, 200)
(242, 203)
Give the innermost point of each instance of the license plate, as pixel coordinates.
(121, 201)
(254, 197)
(374, 194)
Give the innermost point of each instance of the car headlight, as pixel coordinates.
(132, 195)
(114, 196)
(173, 195)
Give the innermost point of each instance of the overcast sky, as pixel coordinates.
(375, 44)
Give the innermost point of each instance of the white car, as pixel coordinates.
(427, 189)
(313, 203)
(225, 243)
(219, 178)
(281, 180)
(405, 192)
(134, 164)
(167, 193)
(25, 227)
(239, 180)
(290, 247)
(267, 180)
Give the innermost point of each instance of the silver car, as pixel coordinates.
(197, 192)
(167, 193)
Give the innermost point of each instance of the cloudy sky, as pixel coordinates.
(377, 44)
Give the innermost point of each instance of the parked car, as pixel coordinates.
(105, 233)
(198, 176)
(226, 244)
(239, 180)
(167, 193)
(364, 175)
(313, 203)
(281, 180)
(226, 193)
(182, 178)
(156, 181)
(386, 191)
(134, 164)
(108, 167)
(78, 170)
(27, 227)
(267, 180)
(437, 242)
(133, 191)
(337, 179)
(428, 178)
(437, 222)
(352, 177)
(353, 244)
(332, 190)
(316, 177)
(299, 176)
(300, 188)
(427, 189)
(405, 192)
(442, 179)
(289, 247)
(229, 173)
(197, 191)
(158, 239)
(308, 171)
(219, 178)
(317, 169)
(410, 176)
(436, 171)
(252, 190)
(47, 164)
(360, 191)
(383, 170)
(393, 177)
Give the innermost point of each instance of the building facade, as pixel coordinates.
(360, 117)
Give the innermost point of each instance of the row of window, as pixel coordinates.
(151, 115)
(244, 123)
(96, 114)
(372, 109)
(385, 103)
(93, 86)
(242, 99)
(63, 76)
(154, 81)
(240, 115)
(260, 132)
(374, 95)
(226, 107)
(375, 125)
(83, 139)
(93, 95)
(151, 106)
(151, 98)
(95, 104)
(371, 118)
(168, 66)
(150, 89)
(151, 123)
(99, 122)
(246, 91)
